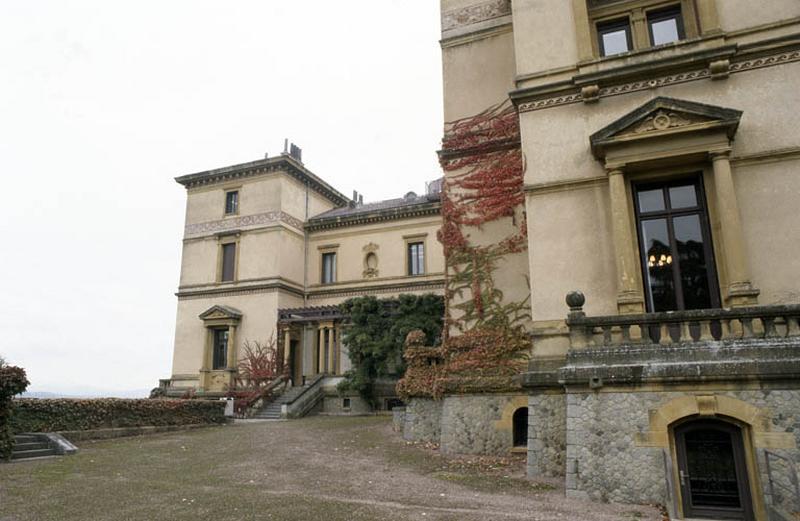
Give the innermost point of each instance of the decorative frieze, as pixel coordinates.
(245, 221)
(714, 71)
(475, 14)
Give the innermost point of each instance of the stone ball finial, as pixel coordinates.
(575, 300)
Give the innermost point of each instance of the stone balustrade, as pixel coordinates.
(678, 327)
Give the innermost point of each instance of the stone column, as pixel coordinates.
(334, 339)
(740, 290)
(287, 346)
(629, 291)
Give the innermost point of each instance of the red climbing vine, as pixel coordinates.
(484, 336)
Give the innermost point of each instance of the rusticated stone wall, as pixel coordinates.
(547, 435)
(603, 461)
(464, 424)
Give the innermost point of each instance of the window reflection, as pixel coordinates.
(692, 258)
(660, 281)
(682, 197)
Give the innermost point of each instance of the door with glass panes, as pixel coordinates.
(675, 246)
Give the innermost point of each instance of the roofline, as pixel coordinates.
(283, 162)
(386, 214)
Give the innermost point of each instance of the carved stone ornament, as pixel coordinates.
(371, 247)
(475, 14)
(370, 263)
(662, 120)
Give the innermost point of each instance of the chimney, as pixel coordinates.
(360, 199)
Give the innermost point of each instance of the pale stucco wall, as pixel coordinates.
(569, 231)
(546, 39)
(389, 237)
(487, 62)
(735, 15)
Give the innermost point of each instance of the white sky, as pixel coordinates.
(103, 102)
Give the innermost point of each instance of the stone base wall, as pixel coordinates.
(547, 435)
(335, 405)
(422, 420)
(464, 424)
(605, 463)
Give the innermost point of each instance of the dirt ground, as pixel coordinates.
(314, 469)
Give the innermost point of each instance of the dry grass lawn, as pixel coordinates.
(315, 469)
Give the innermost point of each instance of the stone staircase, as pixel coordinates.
(272, 410)
(27, 446)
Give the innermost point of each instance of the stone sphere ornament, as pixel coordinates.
(575, 300)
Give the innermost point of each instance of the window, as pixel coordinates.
(614, 37)
(346, 403)
(232, 202)
(329, 268)
(228, 272)
(219, 357)
(416, 258)
(675, 242)
(665, 26)
(617, 27)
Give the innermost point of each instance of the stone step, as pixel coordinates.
(31, 445)
(37, 453)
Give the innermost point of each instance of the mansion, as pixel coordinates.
(268, 240)
(623, 176)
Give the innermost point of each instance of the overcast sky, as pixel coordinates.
(103, 103)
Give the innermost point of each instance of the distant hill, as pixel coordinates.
(88, 393)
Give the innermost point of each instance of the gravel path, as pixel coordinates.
(318, 469)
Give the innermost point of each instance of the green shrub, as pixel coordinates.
(13, 381)
(376, 333)
(32, 415)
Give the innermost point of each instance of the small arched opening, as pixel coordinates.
(520, 427)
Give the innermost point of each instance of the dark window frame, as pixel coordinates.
(665, 13)
(322, 276)
(232, 202)
(668, 213)
(415, 258)
(611, 26)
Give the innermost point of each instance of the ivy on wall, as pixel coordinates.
(484, 337)
(375, 335)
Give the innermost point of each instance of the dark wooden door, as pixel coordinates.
(713, 471)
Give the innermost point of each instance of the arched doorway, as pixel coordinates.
(712, 470)
(520, 427)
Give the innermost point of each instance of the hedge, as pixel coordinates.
(12, 381)
(34, 415)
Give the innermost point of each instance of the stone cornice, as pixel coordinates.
(715, 63)
(389, 214)
(352, 291)
(221, 290)
(282, 163)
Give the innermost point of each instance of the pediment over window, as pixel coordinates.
(220, 312)
(663, 118)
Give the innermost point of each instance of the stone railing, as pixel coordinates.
(677, 327)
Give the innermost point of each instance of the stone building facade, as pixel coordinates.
(661, 157)
(270, 250)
